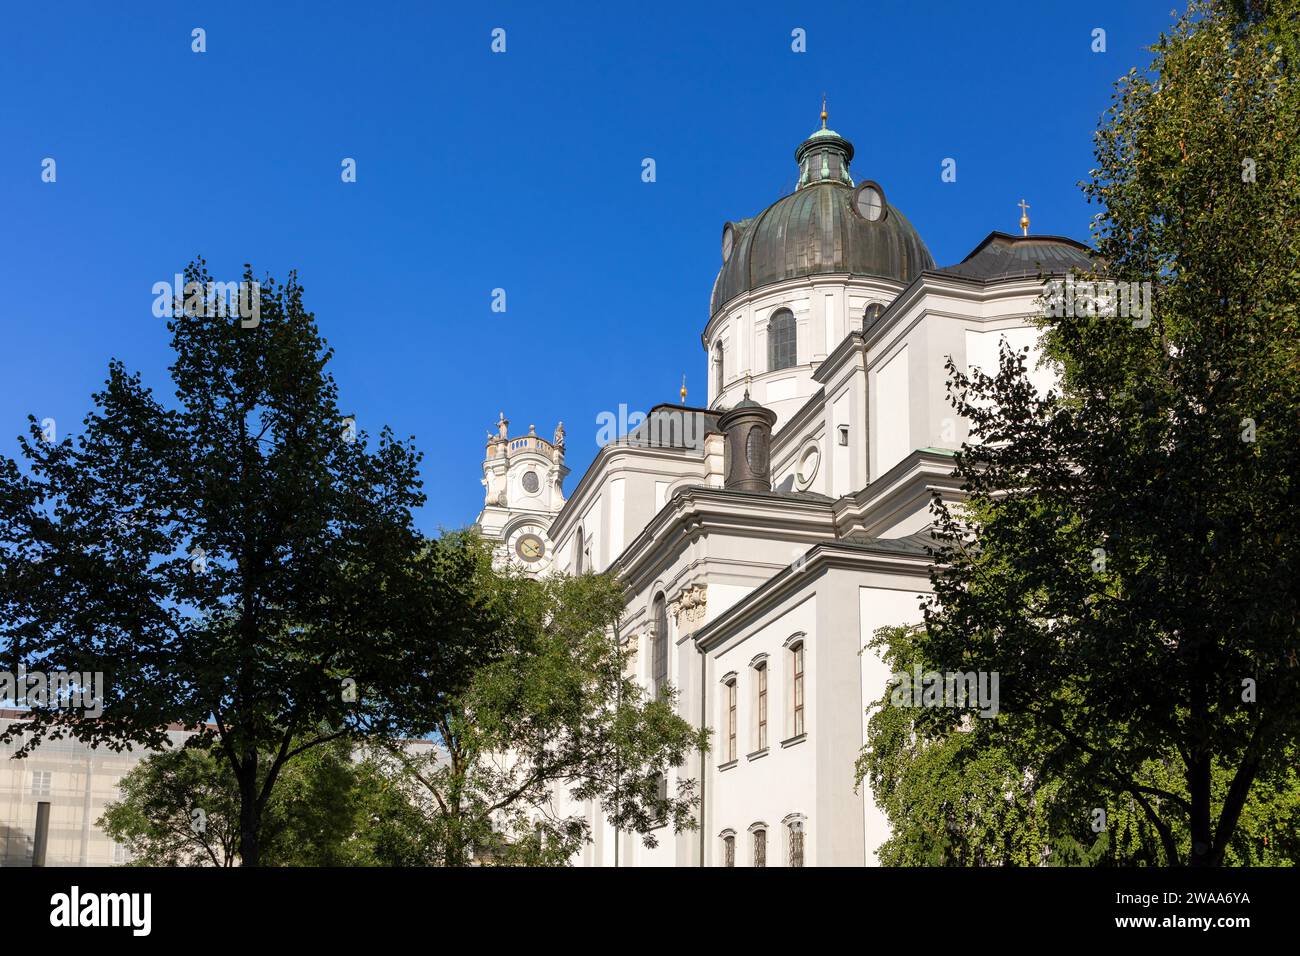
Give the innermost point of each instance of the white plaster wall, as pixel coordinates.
(617, 516)
(982, 353)
(891, 402)
(842, 414)
(825, 308)
(879, 607)
(764, 787)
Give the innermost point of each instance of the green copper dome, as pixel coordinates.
(818, 229)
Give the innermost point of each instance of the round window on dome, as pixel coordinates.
(869, 202)
(728, 241)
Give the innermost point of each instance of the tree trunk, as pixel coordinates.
(250, 823)
(1198, 785)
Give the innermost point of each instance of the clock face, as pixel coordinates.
(530, 548)
(530, 482)
(869, 202)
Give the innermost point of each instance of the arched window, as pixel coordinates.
(728, 849)
(760, 709)
(760, 846)
(659, 646)
(781, 340)
(874, 311)
(579, 547)
(718, 367)
(794, 840)
(796, 687)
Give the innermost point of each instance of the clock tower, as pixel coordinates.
(523, 479)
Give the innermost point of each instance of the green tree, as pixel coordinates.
(968, 793)
(1127, 560)
(533, 704)
(181, 808)
(177, 808)
(224, 560)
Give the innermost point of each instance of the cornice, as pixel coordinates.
(579, 499)
(698, 511)
(897, 493)
(791, 580)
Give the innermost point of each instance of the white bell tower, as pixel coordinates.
(523, 482)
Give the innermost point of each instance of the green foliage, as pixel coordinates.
(966, 793)
(177, 808)
(535, 707)
(181, 808)
(1129, 558)
(225, 560)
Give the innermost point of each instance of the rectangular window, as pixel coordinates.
(729, 851)
(731, 721)
(798, 689)
(760, 848)
(796, 844)
(762, 706)
(40, 783)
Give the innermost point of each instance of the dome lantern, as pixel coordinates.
(824, 156)
(824, 227)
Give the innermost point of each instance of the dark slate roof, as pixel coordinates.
(917, 544)
(795, 495)
(1004, 256)
(672, 426)
(814, 231)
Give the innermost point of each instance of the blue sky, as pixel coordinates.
(478, 171)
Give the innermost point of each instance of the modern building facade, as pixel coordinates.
(78, 782)
(764, 537)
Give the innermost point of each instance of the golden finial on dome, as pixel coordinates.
(683, 389)
(825, 115)
(1024, 218)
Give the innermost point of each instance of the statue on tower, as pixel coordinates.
(558, 441)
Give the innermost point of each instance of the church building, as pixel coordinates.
(765, 536)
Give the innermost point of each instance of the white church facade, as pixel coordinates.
(765, 536)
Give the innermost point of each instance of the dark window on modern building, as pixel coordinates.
(781, 350)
